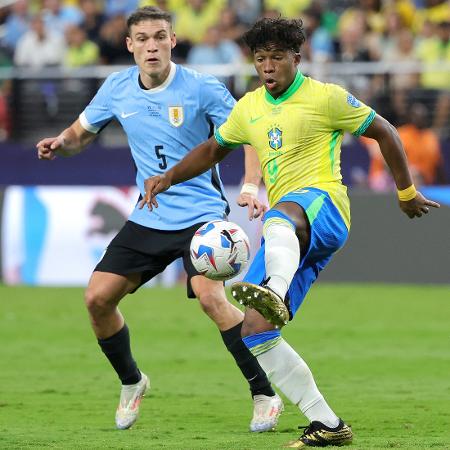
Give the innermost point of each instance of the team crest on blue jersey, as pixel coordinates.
(353, 101)
(275, 138)
(176, 115)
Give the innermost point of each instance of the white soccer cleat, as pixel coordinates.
(130, 399)
(265, 413)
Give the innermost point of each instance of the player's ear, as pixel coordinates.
(173, 38)
(297, 58)
(129, 43)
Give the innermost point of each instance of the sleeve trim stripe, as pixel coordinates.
(221, 141)
(86, 125)
(365, 124)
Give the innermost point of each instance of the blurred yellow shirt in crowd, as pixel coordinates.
(432, 51)
(290, 8)
(193, 25)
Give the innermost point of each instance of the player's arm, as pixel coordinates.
(411, 202)
(197, 161)
(68, 143)
(252, 179)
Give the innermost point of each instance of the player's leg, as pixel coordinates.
(291, 375)
(103, 294)
(286, 369)
(122, 270)
(286, 231)
(267, 405)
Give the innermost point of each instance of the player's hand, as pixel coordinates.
(153, 186)
(417, 206)
(255, 207)
(48, 147)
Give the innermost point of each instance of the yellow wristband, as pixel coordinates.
(407, 194)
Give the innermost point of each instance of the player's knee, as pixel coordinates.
(96, 301)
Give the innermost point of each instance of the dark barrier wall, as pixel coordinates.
(100, 165)
(384, 245)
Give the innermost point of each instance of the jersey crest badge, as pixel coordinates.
(275, 138)
(176, 115)
(351, 100)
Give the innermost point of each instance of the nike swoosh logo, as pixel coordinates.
(125, 115)
(253, 120)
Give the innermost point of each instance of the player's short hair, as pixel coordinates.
(286, 34)
(148, 13)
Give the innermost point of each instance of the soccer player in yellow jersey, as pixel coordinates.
(296, 125)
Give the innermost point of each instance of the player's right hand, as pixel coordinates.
(48, 147)
(153, 186)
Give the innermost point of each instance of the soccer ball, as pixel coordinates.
(220, 250)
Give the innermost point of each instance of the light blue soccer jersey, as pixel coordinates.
(162, 125)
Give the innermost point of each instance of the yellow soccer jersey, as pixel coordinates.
(298, 136)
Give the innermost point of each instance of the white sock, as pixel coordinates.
(282, 254)
(287, 370)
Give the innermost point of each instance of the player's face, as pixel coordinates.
(151, 42)
(276, 68)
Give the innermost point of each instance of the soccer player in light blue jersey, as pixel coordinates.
(165, 111)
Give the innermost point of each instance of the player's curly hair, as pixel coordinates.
(286, 34)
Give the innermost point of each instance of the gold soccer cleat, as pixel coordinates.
(263, 300)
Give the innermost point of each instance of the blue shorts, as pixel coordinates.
(328, 234)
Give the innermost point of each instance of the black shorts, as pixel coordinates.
(138, 249)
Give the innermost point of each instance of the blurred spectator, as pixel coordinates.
(195, 17)
(115, 8)
(58, 16)
(401, 84)
(431, 51)
(319, 45)
(215, 50)
(352, 42)
(371, 11)
(16, 25)
(113, 49)
(247, 11)
(80, 51)
(171, 6)
(39, 46)
(93, 19)
(230, 26)
(435, 11)
(436, 81)
(422, 148)
(291, 8)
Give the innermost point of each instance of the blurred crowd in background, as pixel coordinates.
(77, 33)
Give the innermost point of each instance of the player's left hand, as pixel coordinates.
(417, 206)
(153, 186)
(255, 207)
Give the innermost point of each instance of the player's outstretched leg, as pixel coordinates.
(281, 250)
(267, 406)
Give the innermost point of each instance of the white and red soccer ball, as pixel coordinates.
(220, 250)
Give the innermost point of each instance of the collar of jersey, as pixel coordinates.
(298, 81)
(167, 81)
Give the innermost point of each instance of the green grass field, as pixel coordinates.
(380, 355)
